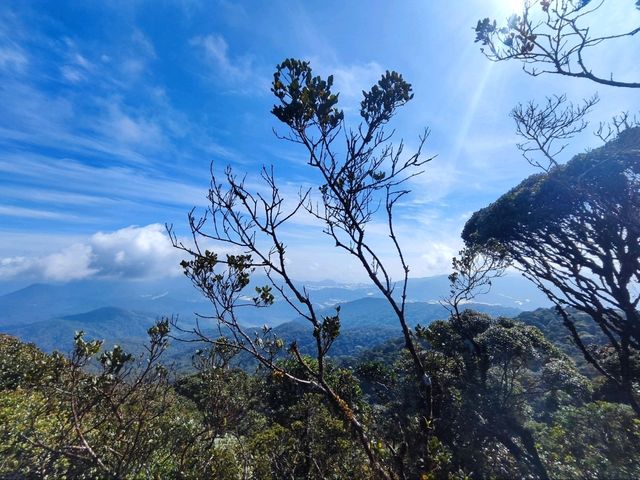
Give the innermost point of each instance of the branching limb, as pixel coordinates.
(549, 36)
(546, 127)
(609, 130)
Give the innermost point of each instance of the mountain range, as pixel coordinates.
(121, 311)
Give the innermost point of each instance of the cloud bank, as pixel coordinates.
(131, 252)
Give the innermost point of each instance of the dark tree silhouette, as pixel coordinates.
(619, 123)
(575, 232)
(550, 36)
(546, 127)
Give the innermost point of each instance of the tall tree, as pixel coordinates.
(575, 232)
(360, 181)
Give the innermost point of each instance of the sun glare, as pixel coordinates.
(507, 7)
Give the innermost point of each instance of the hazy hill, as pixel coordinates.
(122, 311)
(376, 312)
(39, 302)
(368, 322)
(176, 296)
(114, 325)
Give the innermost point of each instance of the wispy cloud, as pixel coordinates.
(351, 80)
(216, 51)
(37, 119)
(236, 72)
(123, 183)
(76, 68)
(55, 197)
(12, 57)
(22, 212)
(131, 130)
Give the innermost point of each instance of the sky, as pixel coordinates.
(112, 113)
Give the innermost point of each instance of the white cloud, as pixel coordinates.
(131, 252)
(216, 51)
(135, 252)
(11, 267)
(22, 212)
(436, 260)
(70, 264)
(12, 57)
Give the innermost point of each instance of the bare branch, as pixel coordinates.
(545, 127)
(549, 37)
(473, 272)
(609, 130)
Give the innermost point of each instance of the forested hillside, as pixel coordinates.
(134, 418)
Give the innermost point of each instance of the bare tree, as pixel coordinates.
(550, 36)
(545, 127)
(361, 183)
(609, 130)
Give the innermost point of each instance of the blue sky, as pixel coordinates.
(112, 112)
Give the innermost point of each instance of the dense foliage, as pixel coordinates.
(509, 402)
(575, 231)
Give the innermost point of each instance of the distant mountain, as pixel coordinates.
(39, 302)
(368, 322)
(122, 311)
(376, 312)
(176, 296)
(512, 290)
(170, 297)
(8, 286)
(114, 325)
